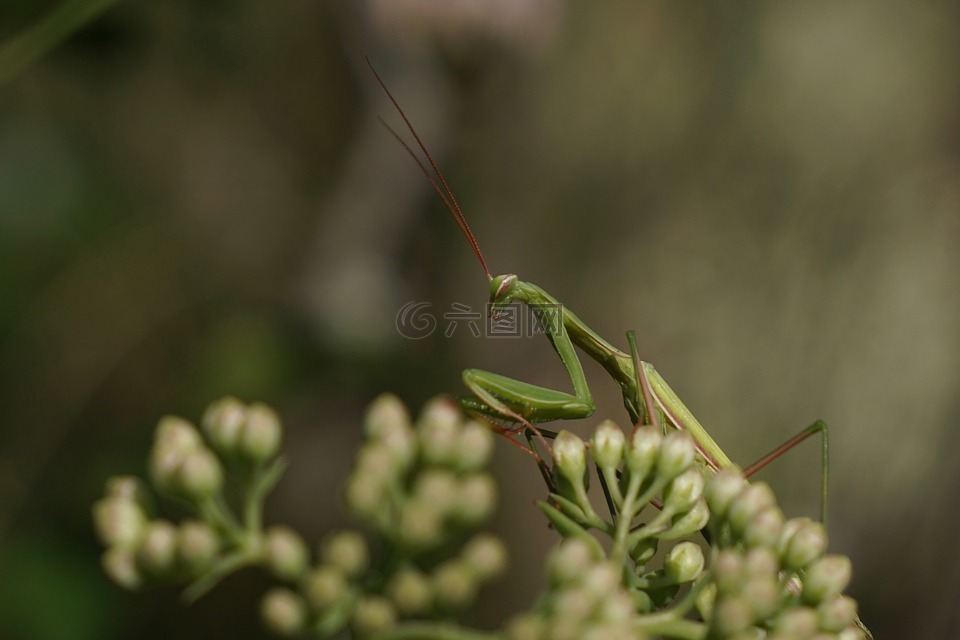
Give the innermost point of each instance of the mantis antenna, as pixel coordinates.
(439, 183)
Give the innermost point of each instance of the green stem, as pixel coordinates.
(619, 550)
(21, 51)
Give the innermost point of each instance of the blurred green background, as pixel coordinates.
(196, 199)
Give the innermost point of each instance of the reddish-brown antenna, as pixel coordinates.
(445, 193)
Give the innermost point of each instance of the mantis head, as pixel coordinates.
(504, 290)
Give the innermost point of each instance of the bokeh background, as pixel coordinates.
(196, 199)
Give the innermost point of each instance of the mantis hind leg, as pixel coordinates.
(817, 427)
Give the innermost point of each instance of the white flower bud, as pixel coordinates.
(223, 421)
(485, 555)
(348, 551)
(825, 578)
(120, 565)
(676, 454)
(285, 553)
(199, 474)
(119, 522)
(684, 563)
(411, 592)
(324, 588)
(158, 550)
(607, 445)
(643, 450)
(454, 585)
(570, 457)
(261, 433)
(283, 612)
(373, 615)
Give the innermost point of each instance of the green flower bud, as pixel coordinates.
(437, 487)
(762, 593)
(751, 501)
(177, 433)
(643, 450)
(601, 580)
(706, 600)
(397, 442)
(373, 615)
(723, 489)
(526, 626)
(686, 524)
(676, 454)
(420, 525)
(572, 606)
(120, 565)
(197, 545)
(684, 563)
(285, 553)
(348, 551)
(324, 588)
(568, 561)
(199, 474)
(765, 528)
(797, 621)
(837, 613)
(222, 421)
(261, 433)
(283, 612)
(826, 577)
(728, 571)
(454, 585)
(607, 445)
(807, 543)
(644, 550)
(731, 615)
(477, 498)
(119, 522)
(365, 496)
(485, 555)
(617, 608)
(411, 592)
(570, 457)
(760, 561)
(439, 431)
(474, 447)
(376, 462)
(129, 488)
(158, 549)
(684, 490)
(174, 439)
(385, 413)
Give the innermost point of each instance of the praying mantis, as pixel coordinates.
(646, 395)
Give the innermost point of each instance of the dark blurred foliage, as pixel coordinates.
(196, 199)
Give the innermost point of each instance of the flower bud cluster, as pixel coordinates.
(140, 549)
(185, 465)
(586, 599)
(420, 484)
(772, 575)
(636, 470)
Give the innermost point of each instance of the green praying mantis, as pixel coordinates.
(646, 395)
